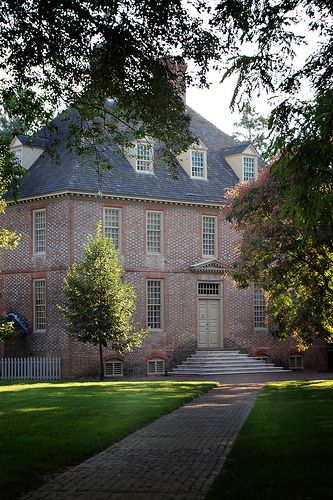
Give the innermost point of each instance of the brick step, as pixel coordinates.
(223, 372)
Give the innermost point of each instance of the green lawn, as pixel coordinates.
(46, 426)
(285, 449)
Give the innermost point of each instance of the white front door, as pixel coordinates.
(209, 323)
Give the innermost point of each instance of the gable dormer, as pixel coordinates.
(243, 159)
(27, 149)
(141, 155)
(194, 160)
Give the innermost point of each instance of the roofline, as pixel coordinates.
(88, 194)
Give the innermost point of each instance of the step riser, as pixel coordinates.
(223, 363)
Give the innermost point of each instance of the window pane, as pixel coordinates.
(154, 304)
(248, 168)
(197, 163)
(259, 306)
(112, 225)
(18, 155)
(144, 156)
(154, 232)
(39, 305)
(208, 236)
(208, 288)
(39, 231)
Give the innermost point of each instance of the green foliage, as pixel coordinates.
(98, 305)
(296, 270)
(7, 330)
(261, 40)
(252, 127)
(79, 54)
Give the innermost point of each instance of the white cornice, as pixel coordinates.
(86, 194)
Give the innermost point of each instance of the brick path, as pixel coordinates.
(176, 457)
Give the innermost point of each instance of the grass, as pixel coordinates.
(47, 426)
(285, 449)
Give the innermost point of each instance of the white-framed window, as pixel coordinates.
(111, 225)
(259, 306)
(154, 304)
(18, 155)
(208, 289)
(156, 367)
(248, 168)
(263, 358)
(296, 362)
(113, 368)
(208, 236)
(198, 160)
(39, 231)
(39, 303)
(154, 232)
(144, 157)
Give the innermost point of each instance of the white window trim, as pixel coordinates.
(199, 150)
(162, 305)
(112, 362)
(255, 167)
(259, 328)
(38, 330)
(119, 248)
(150, 170)
(149, 252)
(215, 236)
(155, 361)
(34, 212)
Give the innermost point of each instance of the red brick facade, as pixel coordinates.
(69, 220)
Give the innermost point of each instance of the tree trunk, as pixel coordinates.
(101, 361)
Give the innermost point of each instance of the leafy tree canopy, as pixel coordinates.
(98, 305)
(296, 272)
(262, 38)
(80, 53)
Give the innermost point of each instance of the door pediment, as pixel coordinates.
(210, 266)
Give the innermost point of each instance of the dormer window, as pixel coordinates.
(248, 168)
(144, 157)
(197, 163)
(18, 155)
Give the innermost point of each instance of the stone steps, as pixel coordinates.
(223, 363)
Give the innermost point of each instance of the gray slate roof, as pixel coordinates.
(63, 171)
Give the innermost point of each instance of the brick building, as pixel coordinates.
(174, 243)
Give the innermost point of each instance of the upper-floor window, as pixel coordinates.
(259, 306)
(111, 225)
(248, 168)
(39, 302)
(198, 164)
(18, 155)
(154, 232)
(144, 157)
(39, 230)
(154, 305)
(208, 236)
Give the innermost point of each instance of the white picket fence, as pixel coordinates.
(30, 368)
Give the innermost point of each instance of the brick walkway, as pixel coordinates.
(176, 457)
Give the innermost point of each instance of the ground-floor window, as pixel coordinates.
(113, 368)
(259, 306)
(156, 367)
(39, 301)
(154, 304)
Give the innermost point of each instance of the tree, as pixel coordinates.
(78, 54)
(296, 271)
(252, 128)
(98, 305)
(262, 38)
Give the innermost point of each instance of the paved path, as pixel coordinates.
(176, 457)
